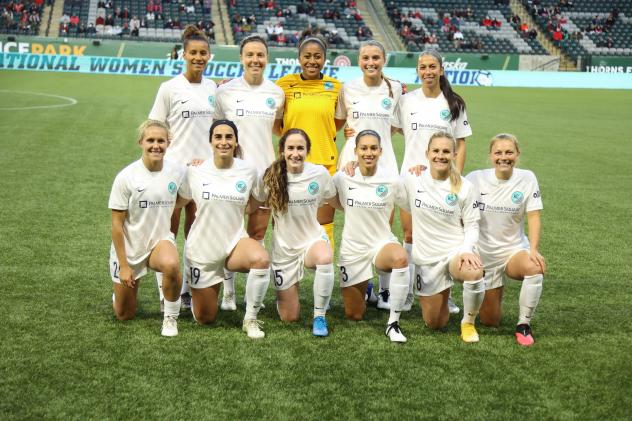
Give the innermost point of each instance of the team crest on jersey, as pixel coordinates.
(451, 199)
(271, 103)
(241, 186)
(445, 115)
(517, 197)
(328, 86)
(313, 188)
(387, 103)
(381, 191)
(211, 100)
(172, 187)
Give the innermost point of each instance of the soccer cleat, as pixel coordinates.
(469, 333)
(370, 296)
(186, 301)
(452, 308)
(408, 304)
(169, 326)
(382, 300)
(228, 302)
(319, 328)
(394, 333)
(253, 328)
(523, 335)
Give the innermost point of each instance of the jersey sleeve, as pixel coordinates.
(120, 194)
(329, 189)
(461, 126)
(218, 114)
(161, 107)
(402, 195)
(341, 108)
(534, 199)
(259, 191)
(185, 189)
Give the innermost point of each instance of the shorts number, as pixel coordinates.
(278, 278)
(343, 274)
(195, 275)
(116, 270)
(418, 282)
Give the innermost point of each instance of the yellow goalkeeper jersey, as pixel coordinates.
(310, 105)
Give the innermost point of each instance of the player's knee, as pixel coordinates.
(205, 317)
(260, 260)
(354, 316)
(123, 314)
(532, 269)
(400, 259)
(289, 316)
(471, 275)
(170, 267)
(323, 259)
(435, 321)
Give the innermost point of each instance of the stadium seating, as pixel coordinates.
(20, 16)
(130, 19)
(337, 20)
(586, 27)
(434, 23)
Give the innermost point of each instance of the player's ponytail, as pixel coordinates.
(275, 177)
(455, 174)
(193, 33)
(456, 104)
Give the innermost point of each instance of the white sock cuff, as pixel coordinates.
(476, 286)
(325, 269)
(259, 272)
(534, 280)
(399, 276)
(172, 308)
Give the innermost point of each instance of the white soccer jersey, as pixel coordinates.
(368, 203)
(149, 198)
(221, 196)
(421, 117)
(503, 205)
(187, 108)
(440, 218)
(253, 109)
(298, 227)
(369, 107)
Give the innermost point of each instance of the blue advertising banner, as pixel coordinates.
(226, 70)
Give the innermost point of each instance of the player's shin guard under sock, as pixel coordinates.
(229, 283)
(161, 296)
(384, 279)
(473, 295)
(256, 287)
(329, 229)
(399, 290)
(529, 297)
(172, 308)
(411, 267)
(323, 286)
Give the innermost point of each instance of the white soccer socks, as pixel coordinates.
(323, 287)
(384, 279)
(161, 296)
(256, 287)
(473, 295)
(529, 297)
(399, 291)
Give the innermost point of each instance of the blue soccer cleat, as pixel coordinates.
(319, 327)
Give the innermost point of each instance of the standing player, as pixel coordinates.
(445, 216)
(370, 103)
(367, 199)
(186, 104)
(253, 104)
(221, 188)
(295, 189)
(507, 194)
(431, 108)
(142, 200)
(310, 103)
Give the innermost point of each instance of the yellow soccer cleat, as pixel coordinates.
(469, 333)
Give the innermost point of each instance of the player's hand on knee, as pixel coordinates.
(537, 259)
(470, 261)
(127, 277)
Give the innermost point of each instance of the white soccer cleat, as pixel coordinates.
(229, 302)
(394, 333)
(453, 308)
(253, 328)
(169, 326)
(383, 302)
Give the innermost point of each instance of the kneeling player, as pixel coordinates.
(367, 199)
(143, 198)
(507, 194)
(295, 189)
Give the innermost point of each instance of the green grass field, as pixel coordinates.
(65, 356)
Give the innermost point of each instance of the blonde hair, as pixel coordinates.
(455, 175)
(152, 123)
(504, 136)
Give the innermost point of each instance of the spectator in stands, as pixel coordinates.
(109, 4)
(335, 38)
(278, 30)
(270, 32)
(177, 24)
(328, 14)
(150, 5)
(91, 30)
(270, 5)
(109, 21)
(74, 21)
(281, 39)
(168, 24)
(533, 34)
(486, 22)
(524, 28)
(314, 114)
(457, 38)
(190, 8)
(101, 4)
(558, 36)
(150, 16)
(100, 20)
(64, 19)
(118, 13)
(496, 23)
(134, 23)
